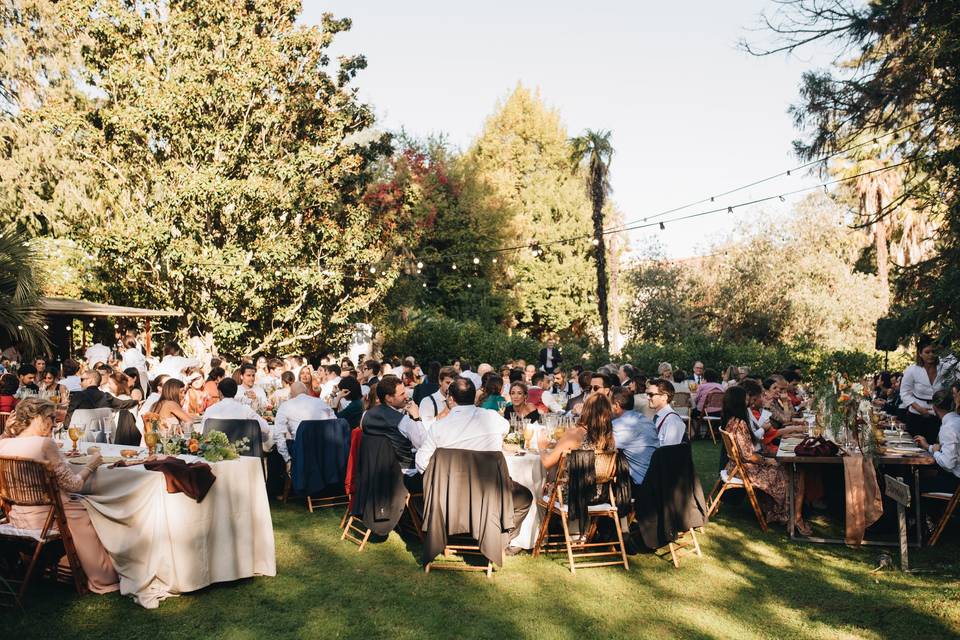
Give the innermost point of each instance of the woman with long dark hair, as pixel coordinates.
(170, 405)
(921, 381)
(768, 478)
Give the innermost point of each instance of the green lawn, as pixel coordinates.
(747, 585)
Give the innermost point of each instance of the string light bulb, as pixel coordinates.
(476, 261)
(596, 242)
(729, 209)
(663, 227)
(469, 286)
(494, 261)
(454, 266)
(373, 269)
(419, 265)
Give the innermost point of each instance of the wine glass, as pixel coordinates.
(501, 406)
(151, 438)
(75, 432)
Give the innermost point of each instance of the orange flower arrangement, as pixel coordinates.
(193, 445)
(151, 421)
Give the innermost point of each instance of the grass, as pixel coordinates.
(747, 585)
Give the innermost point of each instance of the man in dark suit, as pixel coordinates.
(550, 357)
(90, 397)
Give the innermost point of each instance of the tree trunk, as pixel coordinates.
(883, 259)
(614, 256)
(596, 189)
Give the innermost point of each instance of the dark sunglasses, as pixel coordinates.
(596, 387)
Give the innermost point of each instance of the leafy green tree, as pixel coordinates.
(20, 321)
(522, 156)
(592, 153)
(899, 71)
(209, 157)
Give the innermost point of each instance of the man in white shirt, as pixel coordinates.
(132, 358)
(229, 408)
(97, 353)
(465, 372)
(174, 362)
(330, 380)
(470, 427)
(299, 408)
(435, 406)
(249, 392)
(549, 398)
(671, 429)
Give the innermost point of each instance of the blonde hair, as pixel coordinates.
(24, 414)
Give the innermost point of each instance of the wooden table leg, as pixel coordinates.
(791, 520)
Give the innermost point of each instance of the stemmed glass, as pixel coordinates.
(75, 432)
(164, 436)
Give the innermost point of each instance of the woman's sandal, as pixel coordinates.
(804, 528)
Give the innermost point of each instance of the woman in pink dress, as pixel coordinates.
(27, 435)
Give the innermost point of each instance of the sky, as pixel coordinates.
(691, 114)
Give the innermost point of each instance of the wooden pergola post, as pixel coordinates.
(146, 342)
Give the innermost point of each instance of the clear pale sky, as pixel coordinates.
(691, 114)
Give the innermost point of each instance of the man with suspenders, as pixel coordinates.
(434, 406)
(670, 426)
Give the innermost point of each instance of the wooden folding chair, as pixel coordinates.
(461, 546)
(951, 500)
(29, 483)
(683, 547)
(3, 419)
(712, 405)
(682, 404)
(554, 505)
(356, 532)
(736, 480)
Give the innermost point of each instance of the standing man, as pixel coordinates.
(670, 427)
(434, 406)
(550, 357)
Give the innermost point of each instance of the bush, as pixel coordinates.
(444, 340)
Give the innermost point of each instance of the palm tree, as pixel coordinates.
(20, 318)
(592, 151)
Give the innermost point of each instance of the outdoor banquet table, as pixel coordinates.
(528, 471)
(164, 544)
(786, 457)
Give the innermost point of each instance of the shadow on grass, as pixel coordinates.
(748, 584)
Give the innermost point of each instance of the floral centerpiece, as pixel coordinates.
(212, 447)
(844, 407)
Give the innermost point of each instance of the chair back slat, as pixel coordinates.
(26, 483)
(713, 402)
(681, 400)
(3, 419)
(606, 467)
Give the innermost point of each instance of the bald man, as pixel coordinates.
(301, 406)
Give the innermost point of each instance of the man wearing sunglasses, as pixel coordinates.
(670, 427)
(599, 383)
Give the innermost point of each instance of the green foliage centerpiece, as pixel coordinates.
(212, 447)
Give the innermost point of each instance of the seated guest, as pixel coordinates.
(550, 399)
(248, 391)
(671, 429)
(350, 400)
(305, 377)
(768, 477)
(535, 391)
(300, 407)
(193, 399)
(710, 384)
(132, 357)
(91, 397)
(169, 406)
(27, 435)
(758, 417)
(155, 386)
(781, 423)
(583, 384)
(370, 400)
(489, 397)
(519, 405)
(398, 419)
(434, 406)
(50, 386)
(70, 378)
(665, 371)
(731, 376)
(127, 432)
(229, 408)
(947, 451)
(134, 383)
(699, 373)
(474, 429)
(8, 389)
(430, 383)
(282, 394)
(27, 374)
(633, 433)
(211, 394)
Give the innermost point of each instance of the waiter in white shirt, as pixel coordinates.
(249, 392)
(229, 408)
(97, 353)
(174, 362)
(670, 427)
(920, 382)
(299, 408)
(434, 406)
(469, 427)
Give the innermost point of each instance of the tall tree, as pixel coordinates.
(592, 152)
(207, 156)
(20, 321)
(523, 157)
(904, 75)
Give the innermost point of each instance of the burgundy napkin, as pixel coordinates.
(193, 480)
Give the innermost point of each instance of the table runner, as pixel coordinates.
(864, 506)
(166, 544)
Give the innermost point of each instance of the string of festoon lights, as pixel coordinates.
(463, 262)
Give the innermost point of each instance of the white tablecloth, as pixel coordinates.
(528, 471)
(165, 544)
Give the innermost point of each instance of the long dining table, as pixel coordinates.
(165, 544)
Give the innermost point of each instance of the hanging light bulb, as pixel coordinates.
(596, 242)
(424, 285)
(454, 266)
(469, 286)
(373, 269)
(45, 327)
(494, 261)
(729, 209)
(419, 271)
(419, 265)
(782, 199)
(19, 327)
(662, 226)
(476, 261)
(91, 325)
